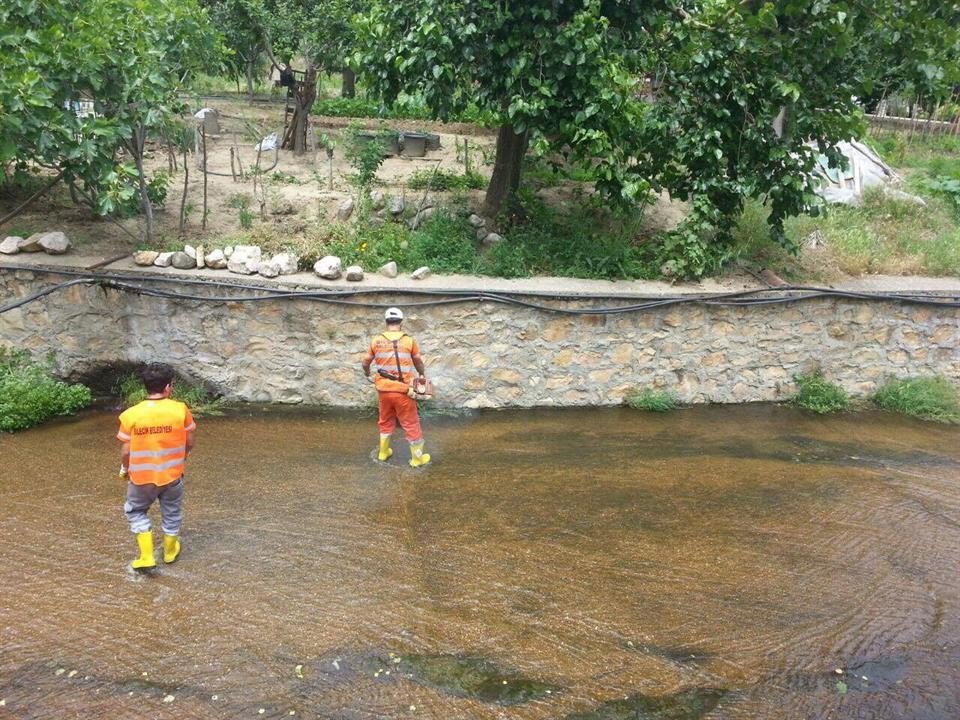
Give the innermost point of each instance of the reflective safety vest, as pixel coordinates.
(386, 356)
(157, 433)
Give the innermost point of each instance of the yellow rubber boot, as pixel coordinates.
(418, 458)
(171, 548)
(385, 451)
(146, 559)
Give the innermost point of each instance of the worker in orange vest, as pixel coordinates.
(157, 436)
(396, 355)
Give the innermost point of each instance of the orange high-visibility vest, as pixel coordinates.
(157, 433)
(381, 351)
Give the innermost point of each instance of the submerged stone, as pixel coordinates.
(473, 677)
(686, 705)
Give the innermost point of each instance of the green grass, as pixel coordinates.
(928, 398)
(407, 107)
(200, 401)
(653, 400)
(819, 395)
(29, 395)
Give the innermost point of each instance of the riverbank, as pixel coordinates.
(488, 343)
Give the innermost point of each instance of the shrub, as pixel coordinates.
(444, 242)
(928, 398)
(653, 400)
(442, 180)
(29, 395)
(818, 394)
(198, 399)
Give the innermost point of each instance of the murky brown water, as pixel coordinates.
(717, 562)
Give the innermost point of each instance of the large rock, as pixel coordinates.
(10, 245)
(31, 244)
(54, 243)
(215, 260)
(182, 261)
(245, 259)
(492, 239)
(201, 257)
(145, 258)
(377, 200)
(420, 273)
(476, 220)
(389, 270)
(268, 269)
(228, 251)
(354, 273)
(329, 267)
(396, 207)
(163, 259)
(417, 220)
(287, 262)
(345, 209)
(191, 251)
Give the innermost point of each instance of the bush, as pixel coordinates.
(445, 243)
(653, 400)
(819, 395)
(200, 401)
(928, 398)
(29, 395)
(442, 180)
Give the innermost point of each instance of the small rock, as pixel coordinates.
(345, 209)
(329, 267)
(31, 244)
(492, 239)
(268, 269)
(389, 270)
(476, 220)
(396, 206)
(163, 259)
(377, 200)
(376, 221)
(201, 257)
(54, 243)
(182, 261)
(287, 262)
(10, 245)
(216, 260)
(228, 251)
(482, 232)
(420, 273)
(417, 220)
(354, 273)
(191, 251)
(145, 257)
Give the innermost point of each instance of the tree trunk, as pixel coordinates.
(348, 84)
(304, 97)
(250, 70)
(136, 147)
(511, 147)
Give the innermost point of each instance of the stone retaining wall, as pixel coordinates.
(486, 354)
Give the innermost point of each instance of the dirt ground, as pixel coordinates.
(300, 201)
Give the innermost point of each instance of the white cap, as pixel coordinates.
(393, 314)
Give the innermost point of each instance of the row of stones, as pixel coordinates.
(52, 242)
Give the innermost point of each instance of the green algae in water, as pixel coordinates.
(474, 677)
(687, 705)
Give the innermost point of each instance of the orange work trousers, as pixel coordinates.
(399, 406)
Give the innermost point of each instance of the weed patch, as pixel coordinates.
(29, 395)
(928, 398)
(819, 395)
(200, 401)
(653, 400)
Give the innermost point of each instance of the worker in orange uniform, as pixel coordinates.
(396, 356)
(157, 436)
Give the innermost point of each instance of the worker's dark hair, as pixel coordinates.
(156, 376)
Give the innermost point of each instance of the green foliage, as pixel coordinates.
(365, 152)
(406, 107)
(443, 180)
(819, 395)
(29, 395)
(120, 192)
(279, 176)
(928, 398)
(653, 400)
(246, 218)
(201, 402)
(948, 187)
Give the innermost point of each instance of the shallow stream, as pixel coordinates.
(718, 562)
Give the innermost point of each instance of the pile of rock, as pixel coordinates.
(51, 243)
(487, 238)
(240, 259)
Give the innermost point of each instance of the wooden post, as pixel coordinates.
(203, 141)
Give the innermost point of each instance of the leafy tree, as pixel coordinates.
(240, 21)
(128, 57)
